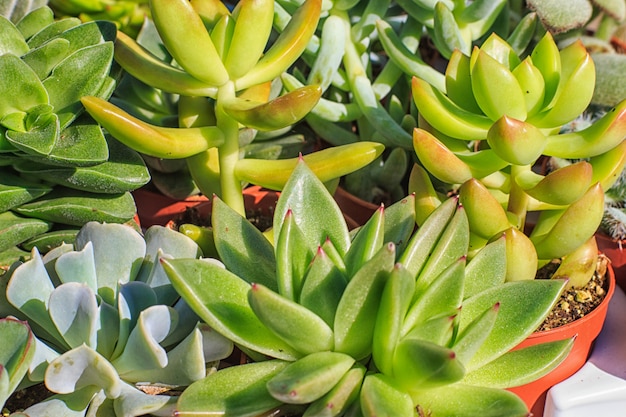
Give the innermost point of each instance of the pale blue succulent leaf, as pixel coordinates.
(74, 310)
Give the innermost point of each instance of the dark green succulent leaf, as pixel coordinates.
(11, 39)
(90, 33)
(245, 251)
(220, 298)
(124, 171)
(81, 144)
(354, 326)
(178, 186)
(16, 353)
(512, 298)
(16, 229)
(40, 138)
(44, 58)
(76, 208)
(9, 257)
(15, 191)
(380, 396)
(35, 20)
(46, 241)
(316, 211)
(52, 30)
(236, 391)
(80, 74)
(487, 268)
(522, 366)
(461, 400)
(20, 87)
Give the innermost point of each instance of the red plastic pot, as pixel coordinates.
(616, 251)
(586, 330)
(155, 208)
(356, 210)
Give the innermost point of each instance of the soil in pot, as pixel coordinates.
(578, 313)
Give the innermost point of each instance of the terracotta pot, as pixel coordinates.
(155, 208)
(616, 251)
(585, 330)
(356, 210)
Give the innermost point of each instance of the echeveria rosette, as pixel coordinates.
(105, 318)
(59, 170)
(368, 323)
(499, 114)
(225, 64)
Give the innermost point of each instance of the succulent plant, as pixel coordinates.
(59, 169)
(16, 353)
(561, 16)
(224, 81)
(107, 321)
(15, 10)
(383, 321)
(497, 117)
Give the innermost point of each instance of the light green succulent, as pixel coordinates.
(483, 134)
(383, 321)
(58, 168)
(107, 320)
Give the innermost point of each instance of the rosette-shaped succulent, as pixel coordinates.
(377, 323)
(482, 136)
(58, 170)
(222, 65)
(107, 322)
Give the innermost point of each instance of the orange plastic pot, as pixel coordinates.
(585, 330)
(355, 210)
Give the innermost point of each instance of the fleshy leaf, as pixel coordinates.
(74, 310)
(380, 396)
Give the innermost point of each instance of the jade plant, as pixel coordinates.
(58, 168)
(108, 323)
(224, 65)
(499, 115)
(381, 321)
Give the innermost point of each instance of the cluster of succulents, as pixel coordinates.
(106, 322)
(59, 169)
(380, 322)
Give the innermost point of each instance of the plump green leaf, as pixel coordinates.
(19, 86)
(340, 397)
(124, 171)
(519, 367)
(292, 258)
(296, 325)
(52, 30)
(34, 16)
(46, 241)
(15, 190)
(40, 138)
(517, 317)
(470, 401)
(366, 243)
(220, 298)
(77, 207)
(400, 222)
(11, 41)
(486, 269)
(318, 215)
(309, 378)
(323, 287)
(354, 326)
(380, 396)
(15, 229)
(244, 250)
(16, 353)
(237, 391)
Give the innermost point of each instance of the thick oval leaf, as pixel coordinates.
(309, 378)
(19, 86)
(78, 207)
(15, 190)
(380, 396)
(296, 325)
(237, 391)
(220, 298)
(16, 353)
(338, 399)
(523, 306)
(16, 229)
(12, 41)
